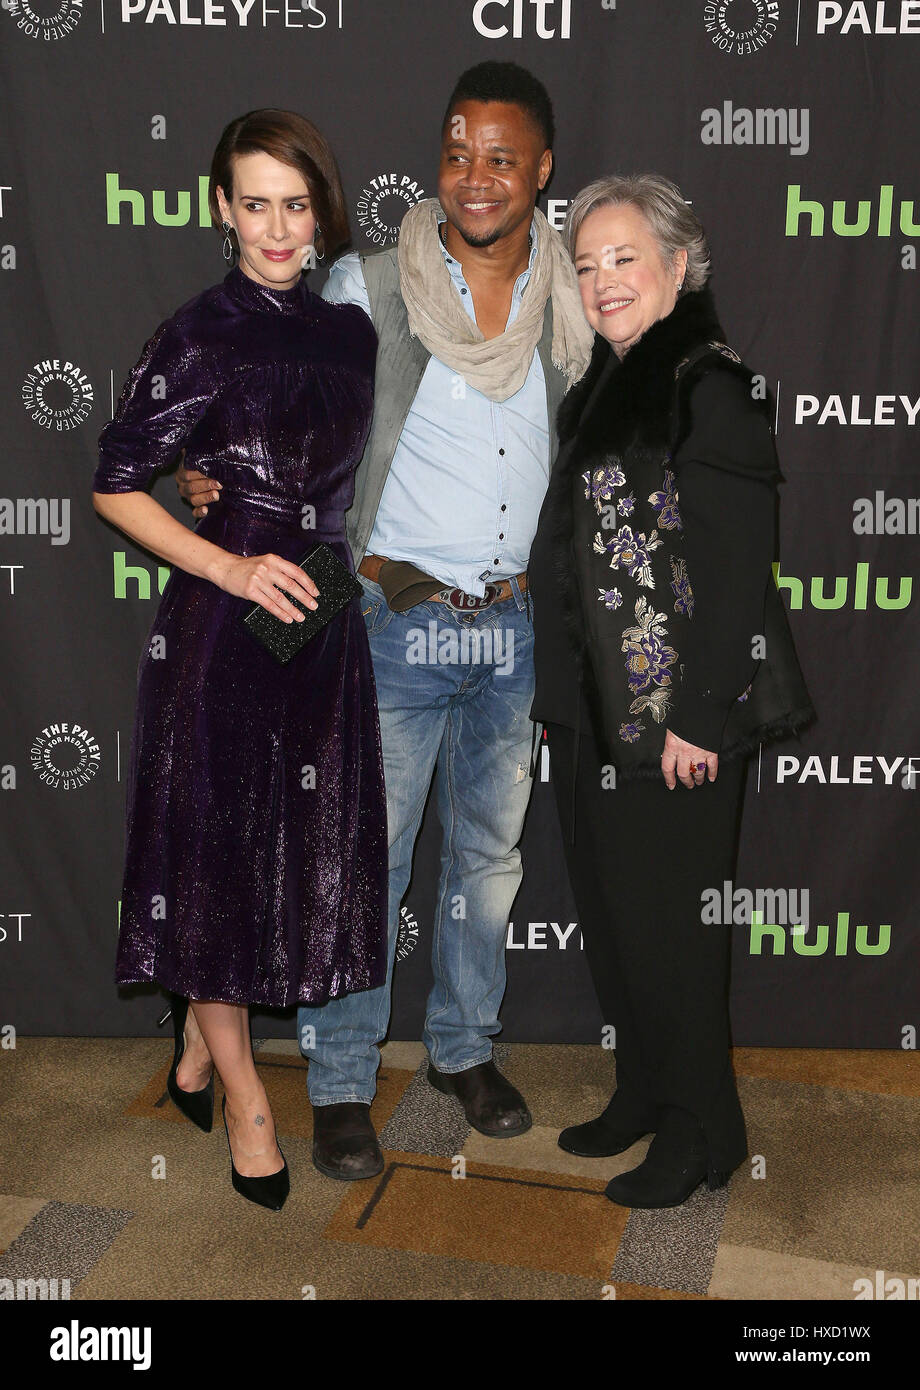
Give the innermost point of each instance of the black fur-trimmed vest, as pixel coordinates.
(619, 570)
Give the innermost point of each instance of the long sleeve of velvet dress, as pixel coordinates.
(256, 848)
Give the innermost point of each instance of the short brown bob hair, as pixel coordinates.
(291, 139)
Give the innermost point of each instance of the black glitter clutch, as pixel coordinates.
(337, 586)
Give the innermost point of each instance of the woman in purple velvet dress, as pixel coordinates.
(256, 818)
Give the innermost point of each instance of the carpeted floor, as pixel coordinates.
(103, 1183)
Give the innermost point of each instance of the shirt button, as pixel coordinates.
(501, 451)
(501, 535)
(498, 562)
(504, 506)
(462, 290)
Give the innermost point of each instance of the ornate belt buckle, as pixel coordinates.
(462, 602)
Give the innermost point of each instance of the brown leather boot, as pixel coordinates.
(492, 1104)
(345, 1142)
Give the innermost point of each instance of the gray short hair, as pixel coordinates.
(673, 224)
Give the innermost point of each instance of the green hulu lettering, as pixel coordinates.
(881, 946)
(908, 226)
(795, 206)
(905, 591)
(204, 212)
(122, 572)
(842, 227)
(812, 209)
(115, 196)
(843, 934)
(795, 586)
(760, 929)
(885, 200)
(179, 218)
(817, 593)
(816, 948)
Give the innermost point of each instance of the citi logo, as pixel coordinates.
(840, 598)
(860, 17)
(180, 215)
(842, 224)
(548, 19)
(763, 125)
(777, 936)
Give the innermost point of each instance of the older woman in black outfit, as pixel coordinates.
(663, 657)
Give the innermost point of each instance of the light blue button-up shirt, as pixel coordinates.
(464, 490)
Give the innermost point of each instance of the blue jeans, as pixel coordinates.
(454, 693)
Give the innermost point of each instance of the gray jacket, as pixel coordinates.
(401, 363)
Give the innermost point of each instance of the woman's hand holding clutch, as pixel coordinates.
(261, 578)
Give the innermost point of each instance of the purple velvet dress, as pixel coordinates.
(256, 852)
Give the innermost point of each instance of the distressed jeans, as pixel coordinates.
(454, 693)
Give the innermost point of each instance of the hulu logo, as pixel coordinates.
(838, 599)
(841, 224)
(117, 198)
(136, 574)
(764, 931)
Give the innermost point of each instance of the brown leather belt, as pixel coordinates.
(458, 599)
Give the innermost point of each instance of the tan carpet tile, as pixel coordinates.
(492, 1215)
(538, 1149)
(745, 1272)
(893, 1073)
(15, 1214)
(842, 1180)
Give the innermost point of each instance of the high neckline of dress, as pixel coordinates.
(265, 298)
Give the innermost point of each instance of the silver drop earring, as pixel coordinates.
(227, 247)
(310, 256)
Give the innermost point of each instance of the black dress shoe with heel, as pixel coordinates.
(272, 1190)
(197, 1106)
(492, 1104)
(344, 1142)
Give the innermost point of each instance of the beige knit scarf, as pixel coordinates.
(497, 367)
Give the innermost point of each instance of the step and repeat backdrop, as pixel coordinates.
(791, 127)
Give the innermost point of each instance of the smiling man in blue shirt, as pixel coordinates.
(480, 332)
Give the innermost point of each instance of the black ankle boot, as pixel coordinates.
(604, 1136)
(674, 1167)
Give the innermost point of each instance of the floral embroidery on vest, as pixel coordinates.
(680, 584)
(599, 485)
(665, 504)
(633, 553)
(610, 598)
(648, 656)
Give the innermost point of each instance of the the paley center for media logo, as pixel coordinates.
(740, 27)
